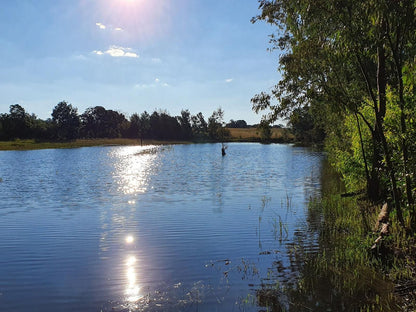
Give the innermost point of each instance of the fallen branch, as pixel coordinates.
(382, 226)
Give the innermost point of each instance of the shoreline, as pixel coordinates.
(25, 145)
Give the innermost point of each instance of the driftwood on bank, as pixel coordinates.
(382, 226)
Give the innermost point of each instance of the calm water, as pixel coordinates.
(174, 228)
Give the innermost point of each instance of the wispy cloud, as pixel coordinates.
(106, 27)
(101, 26)
(116, 51)
(229, 80)
(157, 82)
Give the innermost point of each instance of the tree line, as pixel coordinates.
(349, 76)
(98, 122)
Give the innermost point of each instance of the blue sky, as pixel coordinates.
(135, 55)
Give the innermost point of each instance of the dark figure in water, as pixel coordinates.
(223, 148)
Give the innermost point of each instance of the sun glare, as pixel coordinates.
(140, 20)
(129, 239)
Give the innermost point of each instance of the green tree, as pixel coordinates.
(265, 131)
(237, 124)
(185, 123)
(16, 124)
(199, 126)
(216, 126)
(139, 125)
(98, 122)
(66, 120)
(163, 126)
(340, 58)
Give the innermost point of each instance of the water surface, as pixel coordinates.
(172, 228)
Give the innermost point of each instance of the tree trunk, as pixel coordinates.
(367, 173)
(380, 113)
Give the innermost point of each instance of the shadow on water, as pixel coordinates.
(328, 279)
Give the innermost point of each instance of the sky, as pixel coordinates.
(135, 55)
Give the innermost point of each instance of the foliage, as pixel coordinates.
(20, 125)
(265, 131)
(199, 126)
(237, 124)
(216, 126)
(139, 125)
(304, 127)
(99, 123)
(66, 121)
(348, 67)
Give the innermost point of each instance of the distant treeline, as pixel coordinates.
(97, 122)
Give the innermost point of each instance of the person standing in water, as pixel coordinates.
(223, 148)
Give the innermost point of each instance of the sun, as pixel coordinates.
(133, 1)
(142, 21)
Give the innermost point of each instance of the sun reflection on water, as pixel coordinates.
(129, 239)
(135, 166)
(133, 289)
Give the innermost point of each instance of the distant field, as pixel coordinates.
(252, 134)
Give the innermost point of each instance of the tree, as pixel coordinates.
(185, 122)
(265, 131)
(139, 125)
(164, 127)
(199, 126)
(304, 127)
(98, 122)
(16, 124)
(66, 120)
(216, 130)
(341, 58)
(236, 124)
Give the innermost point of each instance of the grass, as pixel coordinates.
(32, 144)
(345, 274)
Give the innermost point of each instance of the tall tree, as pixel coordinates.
(340, 57)
(216, 126)
(16, 124)
(199, 126)
(185, 123)
(98, 122)
(66, 120)
(139, 125)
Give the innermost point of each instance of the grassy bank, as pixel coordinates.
(32, 144)
(347, 274)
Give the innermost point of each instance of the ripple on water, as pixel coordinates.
(200, 227)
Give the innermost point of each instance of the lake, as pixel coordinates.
(153, 228)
